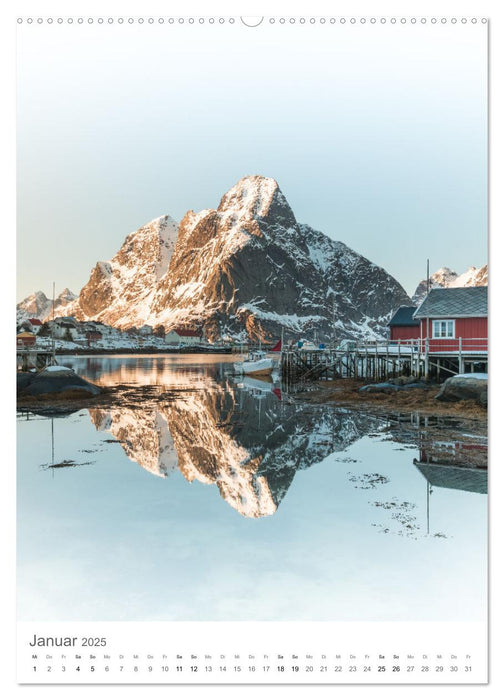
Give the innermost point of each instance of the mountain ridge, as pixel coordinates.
(37, 305)
(446, 277)
(244, 270)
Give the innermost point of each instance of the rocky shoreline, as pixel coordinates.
(121, 395)
(348, 393)
(344, 393)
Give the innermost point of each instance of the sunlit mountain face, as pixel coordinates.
(244, 270)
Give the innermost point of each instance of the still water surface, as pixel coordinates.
(224, 499)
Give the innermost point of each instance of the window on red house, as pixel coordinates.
(443, 329)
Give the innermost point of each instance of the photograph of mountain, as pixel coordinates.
(261, 395)
(244, 270)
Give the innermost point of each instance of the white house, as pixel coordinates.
(145, 330)
(183, 336)
(64, 328)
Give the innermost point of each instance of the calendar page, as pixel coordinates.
(252, 348)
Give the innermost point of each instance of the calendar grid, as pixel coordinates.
(172, 653)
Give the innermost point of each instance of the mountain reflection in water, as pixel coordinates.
(359, 531)
(238, 433)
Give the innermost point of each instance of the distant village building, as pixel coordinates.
(25, 339)
(145, 330)
(64, 328)
(36, 324)
(93, 336)
(402, 325)
(182, 336)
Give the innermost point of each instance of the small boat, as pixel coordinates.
(256, 364)
(309, 346)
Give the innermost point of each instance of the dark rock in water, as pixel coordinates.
(380, 388)
(55, 380)
(464, 387)
(415, 385)
(407, 381)
(392, 386)
(23, 379)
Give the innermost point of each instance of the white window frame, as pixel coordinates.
(443, 325)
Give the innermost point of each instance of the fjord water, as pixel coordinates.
(222, 498)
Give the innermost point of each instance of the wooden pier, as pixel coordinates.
(33, 358)
(381, 360)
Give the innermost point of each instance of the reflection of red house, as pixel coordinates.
(456, 453)
(455, 319)
(402, 325)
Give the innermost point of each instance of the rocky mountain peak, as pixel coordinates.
(249, 192)
(444, 274)
(473, 277)
(255, 198)
(244, 270)
(67, 295)
(446, 277)
(154, 242)
(123, 286)
(38, 305)
(248, 268)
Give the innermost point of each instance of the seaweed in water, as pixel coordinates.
(368, 481)
(402, 513)
(65, 463)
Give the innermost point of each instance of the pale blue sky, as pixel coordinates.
(376, 135)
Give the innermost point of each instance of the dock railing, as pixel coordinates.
(382, 359)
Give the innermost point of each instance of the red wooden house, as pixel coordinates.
(455, 316)
(450, 327)
(92, 336)
(25, 339)
(402, 325)
(454, 321)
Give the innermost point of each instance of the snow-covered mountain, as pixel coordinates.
(247, 268)
(120, 291)
(37, 305)
(253, 268)
(473, 277)
(444, 277)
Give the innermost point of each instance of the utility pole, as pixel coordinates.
(427, 328)
(52, 329)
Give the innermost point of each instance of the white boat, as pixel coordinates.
(309, 346)
(256, 364)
